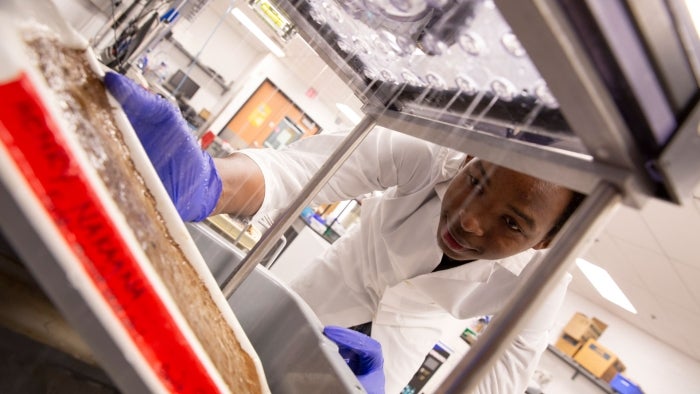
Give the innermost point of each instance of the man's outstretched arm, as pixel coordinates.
(198, 185)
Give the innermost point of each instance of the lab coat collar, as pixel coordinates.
(484, 280)
(484, 268)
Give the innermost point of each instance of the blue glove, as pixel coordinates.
(363, 355)
(187, 172)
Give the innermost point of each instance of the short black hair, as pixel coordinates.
(576, 199)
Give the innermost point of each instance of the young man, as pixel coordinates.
(450, 235)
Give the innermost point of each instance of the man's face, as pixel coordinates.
(491, 212)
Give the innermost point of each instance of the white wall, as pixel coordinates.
(217, 45)
(220, 45)
(86, 17)
(235, 56)
(656, 367)
(273, 69)
(220, 49)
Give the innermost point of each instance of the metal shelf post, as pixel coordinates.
(268, 240)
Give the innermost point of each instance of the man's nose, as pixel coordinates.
(470, 223)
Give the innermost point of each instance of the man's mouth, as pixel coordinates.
(452, 243)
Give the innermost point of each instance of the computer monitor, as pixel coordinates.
(180, 85)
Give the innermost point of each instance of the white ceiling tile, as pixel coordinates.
(644, 301)
(684, 324)
(649, 310)
(652, 283)
(581, 286)
(668, 328)
(650, 317)
(676, 228)
(690, 275)
(628, 224)
(658, 275)
(641, 298)
(606, 253)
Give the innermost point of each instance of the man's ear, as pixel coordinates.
(543, 244)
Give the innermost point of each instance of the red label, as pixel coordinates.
(40, 151)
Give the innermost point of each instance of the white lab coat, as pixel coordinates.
(381, 271)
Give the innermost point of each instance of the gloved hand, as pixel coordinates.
(363, 355)
(187, 172)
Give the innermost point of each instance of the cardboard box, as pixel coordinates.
(577, 331)
(580, 327)
(577, 326)
(598, 360)
(598, 326)
(568, 345)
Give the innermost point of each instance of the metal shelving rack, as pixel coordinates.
(625, 129)
(625, 75)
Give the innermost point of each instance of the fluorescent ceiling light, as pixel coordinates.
(349, 113)
(259, 34)
(693, 7)
(605, 284)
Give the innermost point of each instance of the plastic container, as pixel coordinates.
(623, 385)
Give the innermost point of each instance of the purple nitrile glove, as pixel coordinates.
(187, 172)
(363, 355)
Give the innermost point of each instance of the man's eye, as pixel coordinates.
(512, 224)
(476, 182)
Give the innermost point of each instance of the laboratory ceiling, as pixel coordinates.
(653, 253)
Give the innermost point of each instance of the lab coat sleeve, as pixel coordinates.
(384, 159)
(405, 347)
(412, 310)
(512, 371)
(407, 341)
